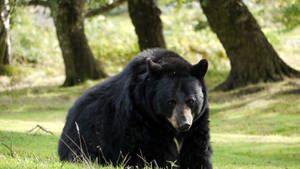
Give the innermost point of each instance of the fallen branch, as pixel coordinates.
(39, 127)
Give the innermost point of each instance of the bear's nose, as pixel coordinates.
(184, 126)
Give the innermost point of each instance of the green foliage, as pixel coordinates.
(6, 70)
(115, 42)
(201, 25)
(282, 15)
(292, 15)
(193, 44)
(34, 38)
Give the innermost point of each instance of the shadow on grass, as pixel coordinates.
(257, 91)
(291, 92)
(215, 110)
(42, 90)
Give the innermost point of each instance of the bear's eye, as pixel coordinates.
(190, 101)
(172, 102)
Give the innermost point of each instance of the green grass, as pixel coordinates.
(273, 108)
(252, 127)
(33, 151)
(255, 151)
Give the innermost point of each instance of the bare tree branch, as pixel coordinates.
(101, 10)
(37, 3)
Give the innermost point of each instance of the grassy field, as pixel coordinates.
(252, 127)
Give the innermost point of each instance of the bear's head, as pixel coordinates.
(179, 95)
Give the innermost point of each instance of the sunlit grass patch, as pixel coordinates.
(22, 126)
(243, 138)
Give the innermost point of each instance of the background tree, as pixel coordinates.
(5, 44)
(68, 17)
(145, 16)
(252, 57)
(78, 58)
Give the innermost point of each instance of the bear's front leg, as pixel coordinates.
(196, 153)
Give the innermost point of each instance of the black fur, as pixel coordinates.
(123, 116)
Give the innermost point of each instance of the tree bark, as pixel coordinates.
(79, 60)
(252, 57)
(145, 16)
(5, 44)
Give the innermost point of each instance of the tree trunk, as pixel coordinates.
(80, 63)
(144, 15)
(5, 44)
(252, 57)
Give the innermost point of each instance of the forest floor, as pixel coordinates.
(252, 127)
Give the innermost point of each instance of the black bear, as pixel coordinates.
(154, 112)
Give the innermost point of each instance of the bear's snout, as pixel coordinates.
(184, 126)
(181, 118)
(185, 120)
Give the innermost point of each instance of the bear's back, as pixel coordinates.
(170, 61)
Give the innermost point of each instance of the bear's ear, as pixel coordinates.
(153, 68)
(199, 70)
